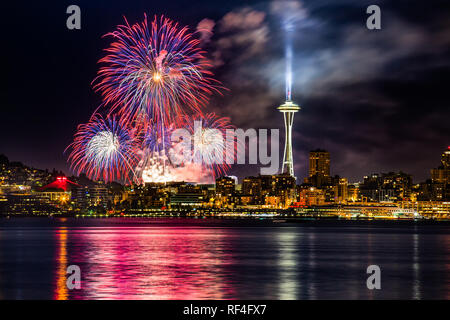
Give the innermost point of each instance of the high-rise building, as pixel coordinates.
(440, 178)
(342, 190)
(445, 160)
(282, 183)
(284, 187)
(319, 167)
(252, 187)
(267, 184)
(442, 173)
(225, 186)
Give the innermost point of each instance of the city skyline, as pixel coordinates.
(378, 128)
(392, 195)
(319, 167)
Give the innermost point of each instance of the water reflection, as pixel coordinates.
(416, 267)
(311, 266)
(158, 259)
(289, 282)
(152, 263)
(61, 291)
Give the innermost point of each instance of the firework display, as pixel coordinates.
(211, 145)
(105, 148)
(154, 78)
(158, 69)
(157, 139)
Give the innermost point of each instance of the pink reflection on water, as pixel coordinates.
(152, 263)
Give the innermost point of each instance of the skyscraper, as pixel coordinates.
(225, 186)
(445, 159)
(288, 109)
(342, 191)
(319, 167)
(442, 173)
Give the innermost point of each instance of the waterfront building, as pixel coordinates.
(310, 196)
(29, 204)
(183, 200)
(54, 196)
(372, 211)
(429, 209)
(91, 196)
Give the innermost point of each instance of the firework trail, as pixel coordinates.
(157, 69)
(211, 147)
(105, 148)
(157, 140)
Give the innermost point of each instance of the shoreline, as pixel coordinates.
(275, 220)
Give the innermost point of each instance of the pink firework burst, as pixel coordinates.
(156, 70)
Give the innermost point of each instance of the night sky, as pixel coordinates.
(377, 100)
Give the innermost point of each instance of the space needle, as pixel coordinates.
(288, 109)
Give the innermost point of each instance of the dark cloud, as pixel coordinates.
(243, 29)
(375, 99)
